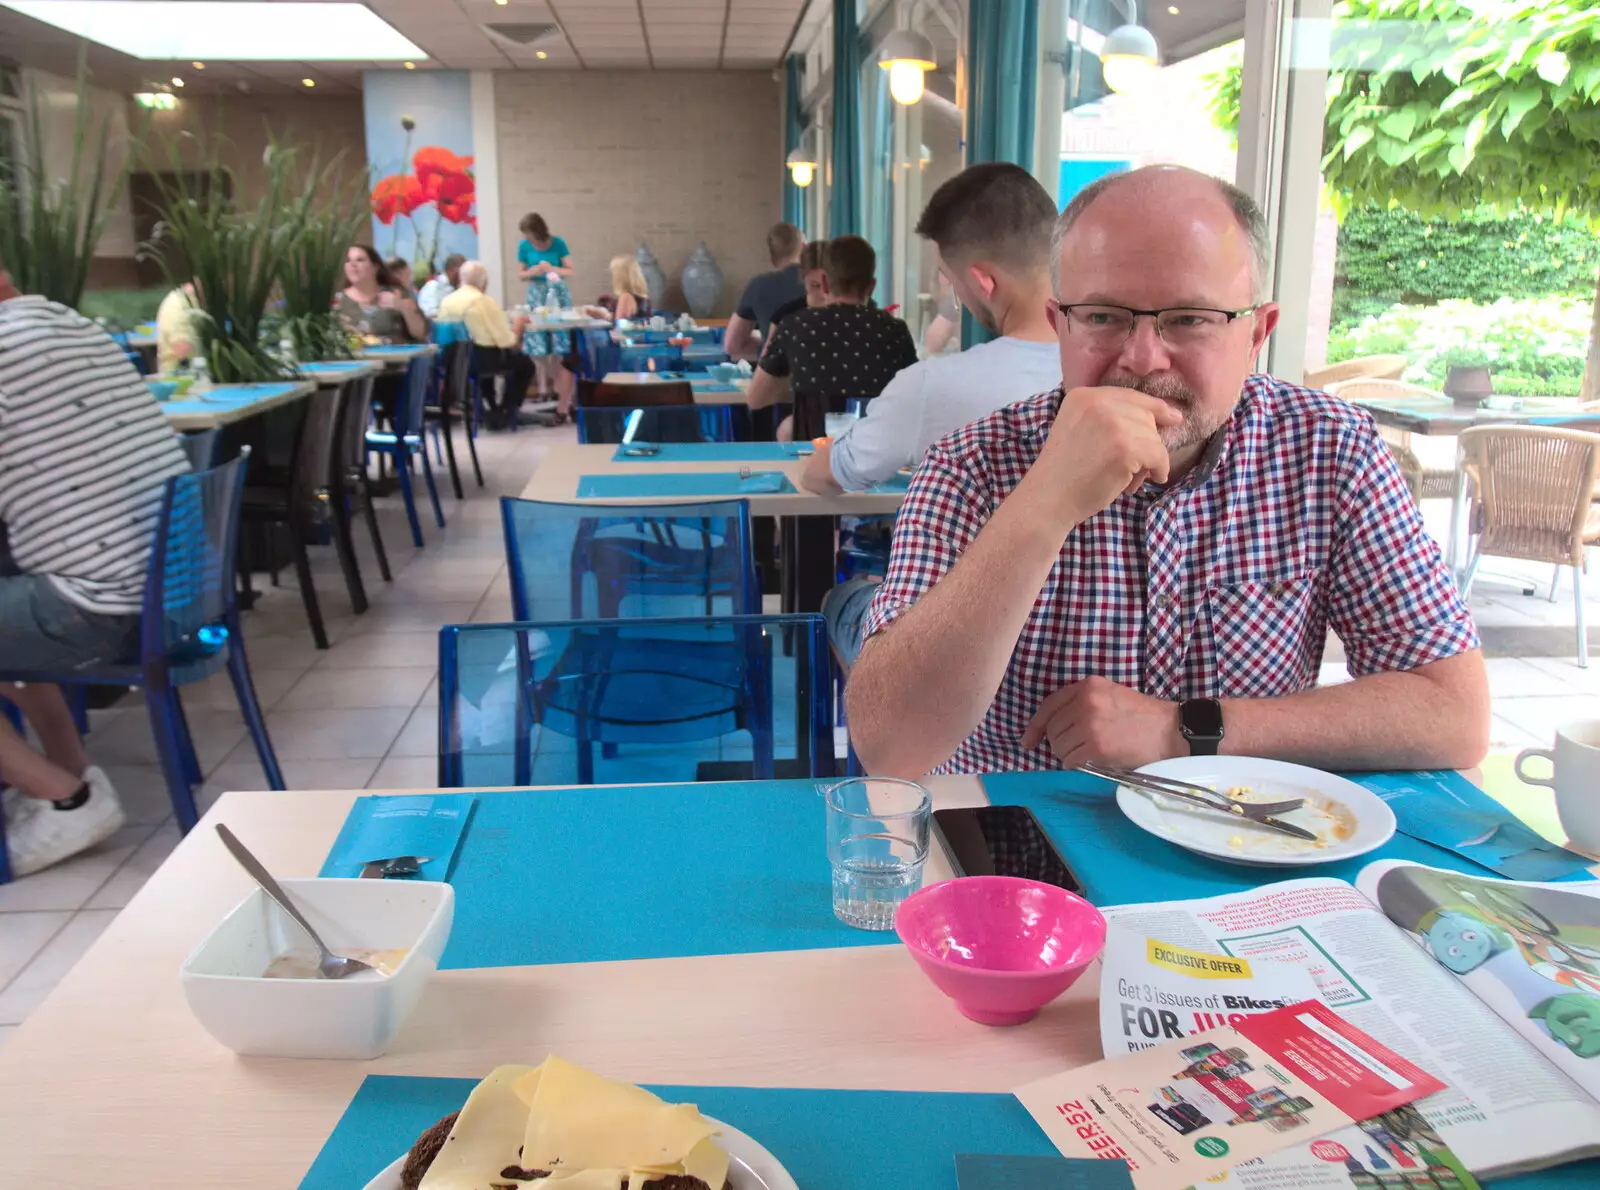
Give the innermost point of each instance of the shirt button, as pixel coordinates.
(1165, 602)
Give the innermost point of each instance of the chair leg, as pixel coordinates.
(308, 590)
(344, 545)
(370, 512)
(472, 449)
(244, 688)
(410, 499)
(433, 489)
(1577, 611)
(450, 451)
(186, 753)
(165, 726)
(1469, 574)
(1555, 582)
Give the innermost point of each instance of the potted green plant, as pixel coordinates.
(53, 214)
(234, 256)
(328, 218)
(1466, 379)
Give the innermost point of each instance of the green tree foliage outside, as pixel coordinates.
(1443, 107)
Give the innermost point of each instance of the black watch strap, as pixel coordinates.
(1200, 721)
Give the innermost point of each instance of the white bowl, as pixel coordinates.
(318, 1018)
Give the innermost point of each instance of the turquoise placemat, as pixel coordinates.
(394, 349)
(1120, 864)
(895, 483)
(666, 483)
(716, 452)
(590, 875)
(827, 1140)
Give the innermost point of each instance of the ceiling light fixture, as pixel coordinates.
(198, 65)
(1173, 9)
(1130, 56)
(161, 101)
(802, 167)
(907, 55)
(308, 82)
(227, 30)
(540, 54)
(177, 82)
(411, 65)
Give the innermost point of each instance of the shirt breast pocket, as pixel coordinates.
(1267, 635)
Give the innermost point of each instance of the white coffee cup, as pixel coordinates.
(1575, 776)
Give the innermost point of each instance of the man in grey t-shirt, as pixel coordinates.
(991, 224)
(767, 291)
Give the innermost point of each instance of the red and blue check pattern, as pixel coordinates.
(1223, 586)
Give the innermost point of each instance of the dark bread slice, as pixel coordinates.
(424, 1151)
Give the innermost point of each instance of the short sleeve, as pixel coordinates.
(883, 440)
(746, 308)
(1391, 597)
(558, 249)
(525, 252)
(942, 515)
(775, 359)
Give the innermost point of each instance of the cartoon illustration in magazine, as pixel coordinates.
(1542, 944)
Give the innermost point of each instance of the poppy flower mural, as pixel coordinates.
(419, 138)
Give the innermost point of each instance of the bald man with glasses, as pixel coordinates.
(1146, 562)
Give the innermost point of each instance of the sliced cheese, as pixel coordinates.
(707, 1162)
(580, 1121)
(585, 1179)
(485, 1137)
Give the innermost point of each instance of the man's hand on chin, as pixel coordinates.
(1096, 721)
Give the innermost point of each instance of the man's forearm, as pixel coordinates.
(818, 473)
(1436, 716)
(925, 684)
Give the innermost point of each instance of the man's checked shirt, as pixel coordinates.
(1295, 521)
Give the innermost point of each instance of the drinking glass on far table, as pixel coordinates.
(877, 844)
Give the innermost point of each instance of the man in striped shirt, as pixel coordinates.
(84, 454)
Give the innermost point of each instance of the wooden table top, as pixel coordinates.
(1440, 417)
(113, 1083)
(223, 404)
(557, 476)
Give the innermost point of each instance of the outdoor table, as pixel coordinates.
(395, 357)
(224, 404)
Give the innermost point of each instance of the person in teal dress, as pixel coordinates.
(545, 265)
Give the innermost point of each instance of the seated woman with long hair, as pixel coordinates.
(629, 296)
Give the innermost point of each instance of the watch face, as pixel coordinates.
(1201, 717)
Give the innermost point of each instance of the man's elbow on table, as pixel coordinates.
(817, 476)
(1459, 732)
(883, 730)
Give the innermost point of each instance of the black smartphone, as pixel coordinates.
(641, 450)
(1002, 841)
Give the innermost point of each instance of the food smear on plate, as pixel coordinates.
(1331, 821)
(302, 964)
(567, 1129)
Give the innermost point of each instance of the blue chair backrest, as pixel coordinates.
(637, 358)
(659, 423)
(446, 333)
(414, 396)
(597, 354)
(189, 592)
(631, 701)
(576, 561)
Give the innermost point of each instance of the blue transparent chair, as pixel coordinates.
(578, 561)
(633, 701)
(662, 423)
(188, 630)
(406, 443)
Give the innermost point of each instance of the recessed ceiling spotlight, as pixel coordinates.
(1173, 9)
(177, 82)
(198, 65)
(411, 65)
(540, 54)
(308, 82)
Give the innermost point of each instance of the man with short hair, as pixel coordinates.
(438, 288)
(767, 291)
(84, 457)
(496, 338)
(1145, 562)
(829, 354)
(991, 224)
(814, 273)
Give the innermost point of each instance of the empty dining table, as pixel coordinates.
(220, 405)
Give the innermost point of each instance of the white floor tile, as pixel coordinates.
(384, 649)
(35, 981)
(335, 735)
(216, 692)
(1540, 717)
(335, 688)
(130, 878)
(406, 772)
(5, 1034)
(142, 790)
(70, 884)
(23, 935)
(420, 736)
(396, 616)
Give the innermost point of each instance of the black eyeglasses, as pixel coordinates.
(1179, 327)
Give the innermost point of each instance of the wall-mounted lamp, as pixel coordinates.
(1129, 58)
(802, 167)
(907, 55)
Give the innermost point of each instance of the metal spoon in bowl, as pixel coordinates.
(329, 965)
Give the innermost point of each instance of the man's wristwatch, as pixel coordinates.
(1200, 721)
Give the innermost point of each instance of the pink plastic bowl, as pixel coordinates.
(1000, 947)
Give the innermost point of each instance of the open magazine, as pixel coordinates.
(1492, 985)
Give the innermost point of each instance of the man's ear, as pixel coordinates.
(983, 280)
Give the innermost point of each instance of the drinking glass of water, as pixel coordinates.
(877, 844)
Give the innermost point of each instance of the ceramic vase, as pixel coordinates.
(702, 282)
(654, 279)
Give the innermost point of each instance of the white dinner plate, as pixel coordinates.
(750, 1167)
(1351, 819)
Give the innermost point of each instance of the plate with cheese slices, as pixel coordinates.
(561, 1127)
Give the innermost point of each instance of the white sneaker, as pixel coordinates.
(38, 835)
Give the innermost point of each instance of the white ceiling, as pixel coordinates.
(587, 35)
